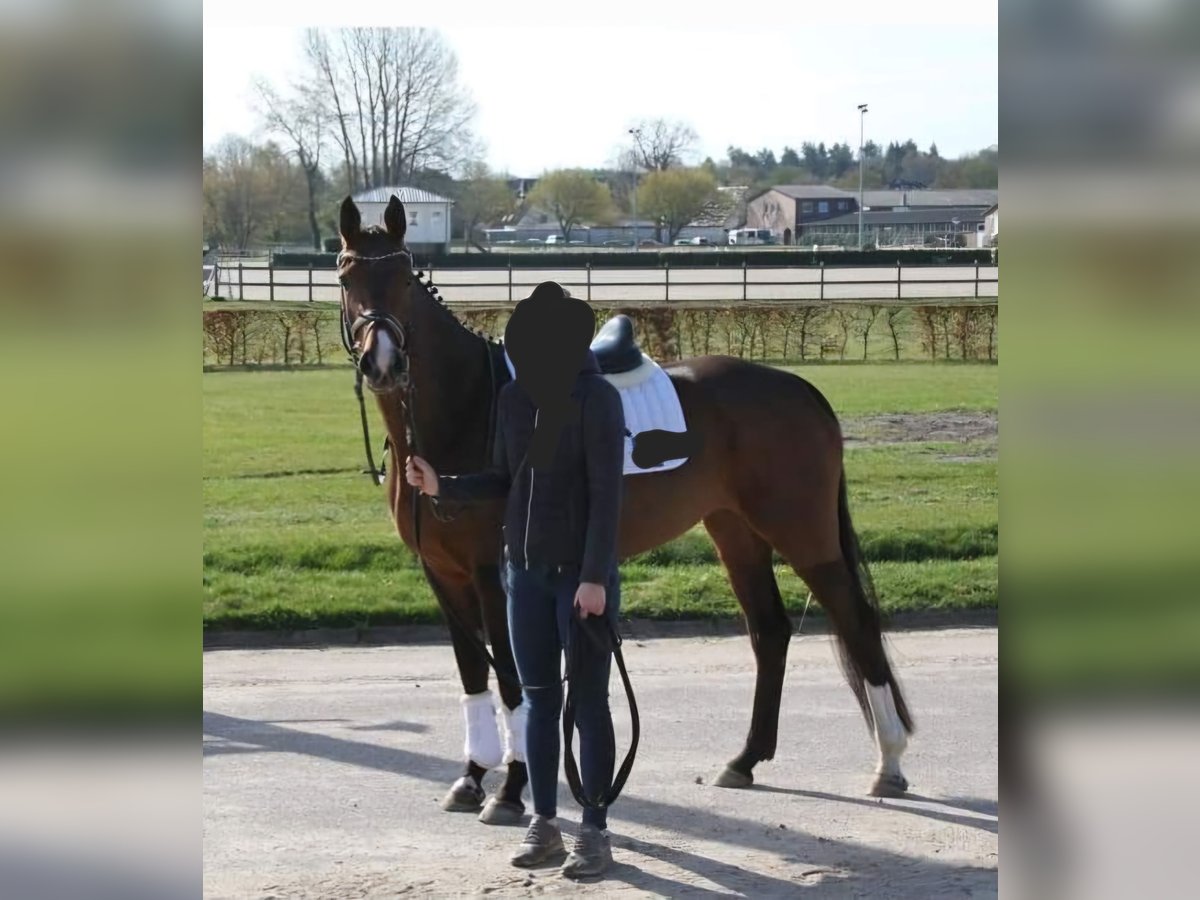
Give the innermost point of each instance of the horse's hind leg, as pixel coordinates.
(866, 665)
(747, 559)
(505, 807)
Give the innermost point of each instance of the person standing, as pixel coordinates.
(558, 460)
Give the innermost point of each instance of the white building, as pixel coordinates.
(991, 227)
(428, 215)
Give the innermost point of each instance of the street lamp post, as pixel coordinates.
(637, 133)
(862, 114)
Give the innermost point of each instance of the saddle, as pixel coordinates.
(616, 349)
(648, 396)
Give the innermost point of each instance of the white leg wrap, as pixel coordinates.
(889, 730)
(482, 745)
(512, 724)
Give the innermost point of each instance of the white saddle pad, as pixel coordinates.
(650, 403)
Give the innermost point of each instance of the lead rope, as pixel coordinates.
(608, 641)
(606, 797)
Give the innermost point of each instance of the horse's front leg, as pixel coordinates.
(481, 749)
(505, 807)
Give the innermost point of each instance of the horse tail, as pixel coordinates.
(865, 597)
(863, 587)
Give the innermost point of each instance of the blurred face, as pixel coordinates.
(547, 339)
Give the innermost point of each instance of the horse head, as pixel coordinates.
(375, 272)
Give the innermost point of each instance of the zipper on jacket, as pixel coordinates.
(529, 508)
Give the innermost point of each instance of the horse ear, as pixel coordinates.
(394, 219)
(349, 221)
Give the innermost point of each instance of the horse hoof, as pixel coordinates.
(732, 778)
(502, 812)
(889, 786)
(464, 796)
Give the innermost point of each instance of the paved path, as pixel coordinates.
(650, 285)
(323, 770)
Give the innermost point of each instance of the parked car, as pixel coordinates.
(554, 239)
(683, 242)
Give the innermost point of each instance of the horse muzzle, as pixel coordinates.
(383, 364)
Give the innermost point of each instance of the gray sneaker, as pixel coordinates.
(592, 854)
(542, 841)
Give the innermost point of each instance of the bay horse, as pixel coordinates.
(768, 477)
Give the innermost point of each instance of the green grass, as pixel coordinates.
(296, 537)
(286, 598)
(869, 388)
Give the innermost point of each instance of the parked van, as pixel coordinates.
(749, 236)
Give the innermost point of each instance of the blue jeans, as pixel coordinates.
(541, 601)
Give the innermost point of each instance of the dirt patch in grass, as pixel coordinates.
(977, 431)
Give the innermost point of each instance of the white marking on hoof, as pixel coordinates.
(889, 732)
(731, 778)
(482, 745)
(512, 725)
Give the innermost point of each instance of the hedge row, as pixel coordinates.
(555, 259)
(795, 334)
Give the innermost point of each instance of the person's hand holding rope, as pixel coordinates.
(590, 599)
(421, 475)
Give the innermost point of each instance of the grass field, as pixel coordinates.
(296, 537)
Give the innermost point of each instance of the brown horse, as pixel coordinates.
(768, 477)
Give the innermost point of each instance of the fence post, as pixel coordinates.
(310, 281)
(976, 281)
(510, 277)
(589, 281)
(821, 296)
(667, 282)
(271, 275)
(743, 278)
(898, 290)
(240, 297)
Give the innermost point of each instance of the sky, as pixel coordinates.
(559, 87)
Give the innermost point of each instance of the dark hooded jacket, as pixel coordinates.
(567, 515)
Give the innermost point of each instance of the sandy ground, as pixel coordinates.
(323, 771)
(978, 432)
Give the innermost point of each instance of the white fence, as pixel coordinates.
(691, 285)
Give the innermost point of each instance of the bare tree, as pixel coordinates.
(301, 119)
(394, 99)
(233, 191)
(659, 144)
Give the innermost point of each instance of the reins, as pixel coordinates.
(609, 641)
